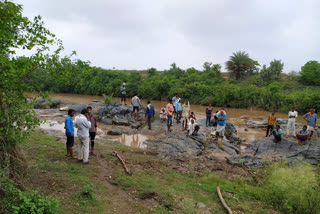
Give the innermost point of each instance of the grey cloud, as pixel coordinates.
(141, 34)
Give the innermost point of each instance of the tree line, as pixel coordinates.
(245, 85)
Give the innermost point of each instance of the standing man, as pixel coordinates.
(208, 115)
(272, 119)
(292, 115)
(68, 125)
(174, 100)
(221, 124)
(93, 129)
(150, 113)
(311, 118)
(185, 114)
(277, 133)
(178, 110)
(83, 124)
(136, 105)
(169, 110)
(123, 93)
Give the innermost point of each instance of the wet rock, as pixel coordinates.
(249, 161)
(225, 147)
(42, 103)
(120, 121)
(246, 129)
(175, 146)
(102, 112)
(135, 125)
(115, 131)
(116, 104)
(266, 149)
(106, 121)
(257, 124)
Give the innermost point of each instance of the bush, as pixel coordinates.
(293, 190)
(15, 201)
(107, 99)
(87, 191)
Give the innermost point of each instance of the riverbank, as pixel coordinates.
(155, 186)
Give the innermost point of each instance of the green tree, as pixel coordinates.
(18, 32)
(212, 70)
(240, 65)
(273, 72)
(310, 73)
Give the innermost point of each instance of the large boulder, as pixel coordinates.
(77, 107)
(123, 109)
(120, 121)
(107, 121)
(42, 103)
(115, 131)
(266, 149)
(175, 146)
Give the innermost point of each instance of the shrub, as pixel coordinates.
(293, 190)
(13, 200)
(107, 99)
(87, 191)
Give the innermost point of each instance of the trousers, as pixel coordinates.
(83, 149)
(291, 127)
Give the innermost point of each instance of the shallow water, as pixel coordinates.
(235, 116)
(199, 110)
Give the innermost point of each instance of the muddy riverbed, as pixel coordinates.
(54, 120)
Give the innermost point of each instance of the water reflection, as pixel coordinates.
(135, 140)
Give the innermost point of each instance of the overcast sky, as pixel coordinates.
(139, 34)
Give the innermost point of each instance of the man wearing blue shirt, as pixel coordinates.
(68, 125)
(311, 119)
(278, 134)
(149, 113)
(221, 124)
(302, 135)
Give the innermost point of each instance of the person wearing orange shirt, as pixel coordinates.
(272, 119)
(169, 110)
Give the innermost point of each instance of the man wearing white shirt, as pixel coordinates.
(83, 124)
(193, 128)
(291, 127)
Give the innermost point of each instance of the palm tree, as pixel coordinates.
(240, 64)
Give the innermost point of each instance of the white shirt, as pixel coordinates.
(293, 113)
(191, 127)
(83, 126)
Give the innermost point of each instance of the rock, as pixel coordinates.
(201, 205)
(77, 107)
(115, 131)
(102, 112)
(256, 124)
(175, 146)
(249, 161)
(120, 121)
(41, 100)
(106, 121)
(267, 149)
(246, 129)
(281, 121)
(135, 125)
(123, 109)
(116, 104)
(41, 103)
(115, 111)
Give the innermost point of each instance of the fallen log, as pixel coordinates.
(223, 202)
(122, 161)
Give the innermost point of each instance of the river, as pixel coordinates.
(235, 116)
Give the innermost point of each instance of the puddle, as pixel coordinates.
(134, 140)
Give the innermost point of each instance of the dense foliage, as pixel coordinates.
(19, 33)
(268, 89)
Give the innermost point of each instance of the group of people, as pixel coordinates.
(302, 135)
(86, 124)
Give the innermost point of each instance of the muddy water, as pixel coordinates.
(235, 116)
(199, 110)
